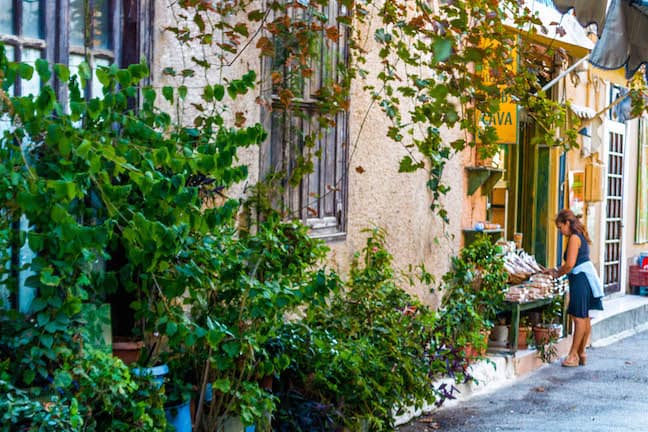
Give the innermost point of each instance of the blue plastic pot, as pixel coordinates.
(157, 372)
(179, 416)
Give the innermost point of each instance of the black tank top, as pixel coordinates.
(583, 251)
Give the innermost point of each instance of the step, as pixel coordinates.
(622, 317)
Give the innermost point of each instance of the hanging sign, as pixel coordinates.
(505, 120)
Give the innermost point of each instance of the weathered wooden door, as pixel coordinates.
(613, 227)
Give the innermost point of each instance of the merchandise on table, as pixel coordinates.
(520, 266)
(537, 287)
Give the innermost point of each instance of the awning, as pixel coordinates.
(582, 112)
(623, 31)
(573, 39)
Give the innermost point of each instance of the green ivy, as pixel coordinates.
(438, 68)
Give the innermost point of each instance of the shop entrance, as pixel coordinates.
(613, 246)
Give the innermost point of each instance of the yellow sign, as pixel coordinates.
(505, 120)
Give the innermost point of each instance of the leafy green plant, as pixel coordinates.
(92, 391)
(447, 65)
(551, 318)
(115, 202)
(547, 351)
(473, 294)
(28, 412)
(226, 341)
(359, 356)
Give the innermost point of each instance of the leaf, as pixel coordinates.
(233, 348)
(48, 279)
(84, 72)
(47, 340)
(382, 36)
(442, 49)
(223, 385)
(266, 46)
(215, 336)
(42, 318)
(42, 67)
(28, 376)
(182, 91)
(171, 328)
(407, 165)
(167, 92)
(219, 92)
(208, 93)
(63, 379)
(124, 77)
(25, 71)
(149, 95)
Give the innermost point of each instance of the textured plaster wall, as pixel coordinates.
(378, 194)
(591, 91)
(399, 202)
(632, 249)
(586, 89)
(167, 52)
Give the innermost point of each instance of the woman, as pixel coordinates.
(585, 289)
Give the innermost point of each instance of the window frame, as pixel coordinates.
(54, 46)
(297, 201)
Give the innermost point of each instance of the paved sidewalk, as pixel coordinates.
(610, 394)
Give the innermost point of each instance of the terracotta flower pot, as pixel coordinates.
(127, 350)
(473, 353)
(542, 335)
(523, 333)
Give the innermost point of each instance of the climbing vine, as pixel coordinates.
(442, 65)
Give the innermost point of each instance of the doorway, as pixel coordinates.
(613, 224)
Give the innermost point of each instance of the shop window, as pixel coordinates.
(641, 228)
(304, 137)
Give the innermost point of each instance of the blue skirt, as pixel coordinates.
(581, 300)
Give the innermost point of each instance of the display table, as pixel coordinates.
(516, 307)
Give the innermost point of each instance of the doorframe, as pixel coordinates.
(619, 128)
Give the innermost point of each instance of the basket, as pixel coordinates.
(638, 277)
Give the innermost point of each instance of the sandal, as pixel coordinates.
(582, 359)
(570, 363)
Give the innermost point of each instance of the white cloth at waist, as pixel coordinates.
(592, 277)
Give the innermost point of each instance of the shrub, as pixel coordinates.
(360, 356)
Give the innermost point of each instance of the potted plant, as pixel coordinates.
(550, 326)
(524, 332)
(473, 294)
(500, 331)
(362, 354)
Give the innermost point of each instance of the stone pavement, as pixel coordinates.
(609, 394)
